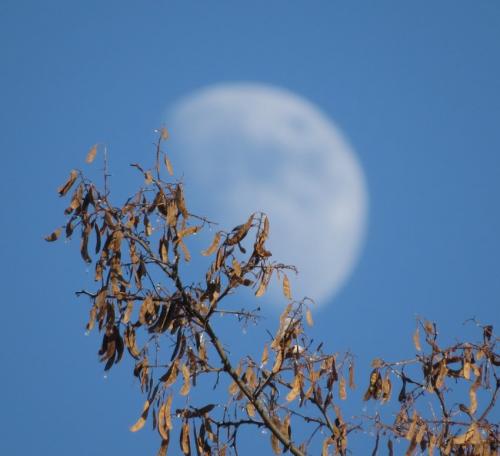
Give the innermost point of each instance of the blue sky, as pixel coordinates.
(415, 87)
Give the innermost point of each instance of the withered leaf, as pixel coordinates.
(250, 409)
(184, 437)
(262, 287)
(309, 317)
(286, 287)
(162, 451)
(342, 389)
(142, 419)
(53, 236)
(239, 232)
(351, 376)
(187, 383)
(213, 246)
(265, 356)
(278, 362)
(295, 388)
(91, 154)
(185, 251)
(63, 189)
(168, 165)
(416, 339)
(164, 134)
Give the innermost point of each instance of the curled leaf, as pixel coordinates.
(53, 236)
(213, 246)
(63, 189)
(142, 419)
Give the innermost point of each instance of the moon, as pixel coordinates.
(247, 147)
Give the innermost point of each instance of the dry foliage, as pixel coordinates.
(292, 385)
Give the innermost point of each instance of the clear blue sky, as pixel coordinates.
(415, 86)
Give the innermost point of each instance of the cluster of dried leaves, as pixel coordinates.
(142, 304)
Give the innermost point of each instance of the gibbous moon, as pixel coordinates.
(244, 148)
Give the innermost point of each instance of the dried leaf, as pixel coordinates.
(168, 418)
(250, 409)
(413, 427)
(168, 165)
(286, 287)
(162, 451)
(164, 134)
(236, 267)
(416, 339)
(470, 437)
(240, 232)
(185, 438)
(213, 246)
(265, 356)
(91, 154)
(53, 236)
(187, 383)
(262, 288)
(473, 395)
(351, 375)
(278, 362)
(63, 189)
(466, 370)
(342, 389)
(185, 251)
(142, 420)
(294, 392)
(309, 317)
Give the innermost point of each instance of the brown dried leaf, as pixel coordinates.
(236, 267)
(213, 246)
(473, 395)
(250, 409)
(185, 438)
(262, 287)
(265, 356)
(168, 418)
(294, 392)
(351, 375)
(164, 134)
(342, 389)
(142, 419)
(413, 427)
(53, 236)
(63, 189)
(185, 251)
(466, 370)
(187, 383)
(309, 317)
(168, 165)
(162, 451)
(91, 154)
(278, 362)
(240, 232)
(470, 437)
(416, 339)
(286, 287)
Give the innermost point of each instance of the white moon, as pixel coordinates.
(251, 147)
